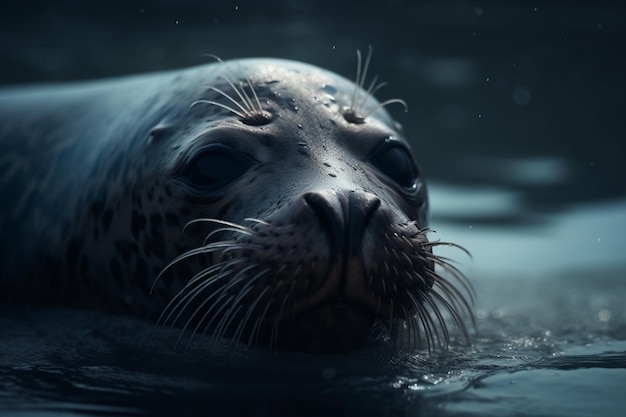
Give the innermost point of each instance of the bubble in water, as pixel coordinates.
(521, 96)
(604, 315)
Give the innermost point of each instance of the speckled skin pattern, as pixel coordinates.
(96, 192)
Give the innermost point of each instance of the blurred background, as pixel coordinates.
(516, 108)
(524, 95)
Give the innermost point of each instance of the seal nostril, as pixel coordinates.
(361, 207)
(329, 212)
(344, 216)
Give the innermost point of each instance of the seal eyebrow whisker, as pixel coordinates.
(250, 109)
(256, 97)
(355, 113)
(371, 90)
(224, 106)
(357, 82)
(384, 104)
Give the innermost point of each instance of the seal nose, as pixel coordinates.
(344, 215)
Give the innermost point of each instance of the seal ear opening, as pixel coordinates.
(159, 131)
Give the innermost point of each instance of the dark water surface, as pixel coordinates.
(516, 115)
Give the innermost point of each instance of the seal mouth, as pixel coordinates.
(265, 287)
(333, 327)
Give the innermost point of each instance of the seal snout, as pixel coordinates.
(344, 216)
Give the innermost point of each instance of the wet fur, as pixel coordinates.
(221, 295)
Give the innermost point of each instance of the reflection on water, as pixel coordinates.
(589, 236)
(551, 341)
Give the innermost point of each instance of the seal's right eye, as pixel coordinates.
(215, 167)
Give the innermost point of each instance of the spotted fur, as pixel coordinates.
(100, 208)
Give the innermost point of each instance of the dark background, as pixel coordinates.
(489, 84)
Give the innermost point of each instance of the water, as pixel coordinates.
(515, 114)
(551, 340)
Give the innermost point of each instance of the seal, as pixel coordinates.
(264, 201)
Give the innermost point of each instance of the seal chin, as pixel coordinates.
(315, 276)
(335, 327)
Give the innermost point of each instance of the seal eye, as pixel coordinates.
(396, 162)
(215, 167)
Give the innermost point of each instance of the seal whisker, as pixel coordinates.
(426, 321)
(355, 113)
(240, 276)
(277, 319)
(223, 106)
(218, 303)
(373, 88)
(259, 108)
(220, 295)
(252, 112)
(452, 293)
(252, 219)
(223, 291)
(443, 327)
(236, 302)
(224, 324)
(179, 298)
(248, 109)
(411, 329)
(371, 91)
(456, 317)
(256, 331)
(384, 104)
(245, 320)
(218, 333)
(357, 82)
(329, 266)
(195, 292)
(412, 274)
(242, 228)
(193, 252)
(455, 272)
(449, 244)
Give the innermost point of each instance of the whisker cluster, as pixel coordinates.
(233, 297)
(246, 106)
(356, 113)
(444, 302)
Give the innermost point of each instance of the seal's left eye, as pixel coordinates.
(397, 164)
(215, 168)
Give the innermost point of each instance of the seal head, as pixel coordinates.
(277, 204)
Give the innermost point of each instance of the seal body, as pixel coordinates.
(242, 199)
